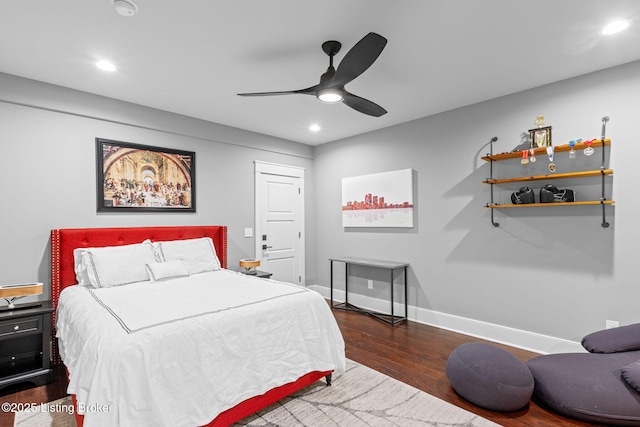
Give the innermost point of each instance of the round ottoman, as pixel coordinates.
(489, 377)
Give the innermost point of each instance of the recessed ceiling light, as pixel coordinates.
(615, 27)
(106, 66)
(314, 127)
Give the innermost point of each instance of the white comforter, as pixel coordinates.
(179, 352)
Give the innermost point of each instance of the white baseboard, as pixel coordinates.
(518, 338)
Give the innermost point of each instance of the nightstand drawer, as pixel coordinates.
(21, 326)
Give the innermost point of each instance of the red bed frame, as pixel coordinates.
(64, 241)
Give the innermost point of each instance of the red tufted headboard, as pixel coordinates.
(65, 240)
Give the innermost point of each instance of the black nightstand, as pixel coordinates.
(25, 354)
(258, 273)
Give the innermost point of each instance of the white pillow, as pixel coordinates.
(166, 270)
(197, 255)
(81, 265)
(113, 265)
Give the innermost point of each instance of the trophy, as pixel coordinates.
(540, 136)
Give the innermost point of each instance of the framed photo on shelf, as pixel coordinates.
(540, 137)
(142, 178)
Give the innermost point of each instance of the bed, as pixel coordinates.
(187, 347)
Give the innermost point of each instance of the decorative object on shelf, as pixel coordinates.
(11, 293)
(532, 155)
(250, 265)
(525, 157)
(550, 153)
(523, 196)
(572, 152)
(589, 150)
(540, 136)
(551, 194)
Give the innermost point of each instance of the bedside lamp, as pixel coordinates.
(249, 265)
(13, 292)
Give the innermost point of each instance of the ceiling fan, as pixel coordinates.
(331, 87)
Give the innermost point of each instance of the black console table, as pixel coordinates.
(392, 318)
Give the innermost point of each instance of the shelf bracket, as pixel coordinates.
(494, 139)
(495, 224)
(605, 224)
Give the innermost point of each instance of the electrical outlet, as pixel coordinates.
(370, 284)
(248, 232)
(611, 324)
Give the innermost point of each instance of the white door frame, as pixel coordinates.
(281, 170)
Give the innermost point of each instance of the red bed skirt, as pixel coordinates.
(249, 406)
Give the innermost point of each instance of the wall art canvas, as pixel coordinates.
(142, 178)
(378, 200)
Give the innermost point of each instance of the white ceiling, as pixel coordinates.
(192, 57)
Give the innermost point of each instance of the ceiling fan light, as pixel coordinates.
(330, 95)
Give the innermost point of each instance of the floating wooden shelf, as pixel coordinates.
(580, 174)
(542, 151)
(539, 151)
(531, 205)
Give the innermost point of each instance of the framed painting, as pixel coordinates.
(378, 200)
(142, 178)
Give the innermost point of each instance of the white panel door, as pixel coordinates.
(280, 223)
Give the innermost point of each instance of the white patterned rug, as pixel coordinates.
(360, 397)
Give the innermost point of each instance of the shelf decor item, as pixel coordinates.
(572, 144)
(551, 194)
(550, 154)
(250, 265)
(11, 293)
(589, 150)
(540, 136)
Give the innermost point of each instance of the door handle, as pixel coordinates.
(265, 247)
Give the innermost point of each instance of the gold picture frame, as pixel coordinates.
(540, 137)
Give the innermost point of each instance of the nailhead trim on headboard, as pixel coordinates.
(64, 241)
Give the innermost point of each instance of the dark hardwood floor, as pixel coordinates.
(23, 393)
(416, 354)
(412, 353)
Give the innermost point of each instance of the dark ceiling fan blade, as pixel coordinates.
(363, 105)
(359, 58)
(308, 91)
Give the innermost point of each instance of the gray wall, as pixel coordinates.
(48, 171)
(550, 271)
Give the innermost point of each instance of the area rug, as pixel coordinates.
(360, 397)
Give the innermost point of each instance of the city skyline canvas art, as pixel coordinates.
(382, 199)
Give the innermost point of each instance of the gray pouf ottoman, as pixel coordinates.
(587, 386)
(489, 377)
